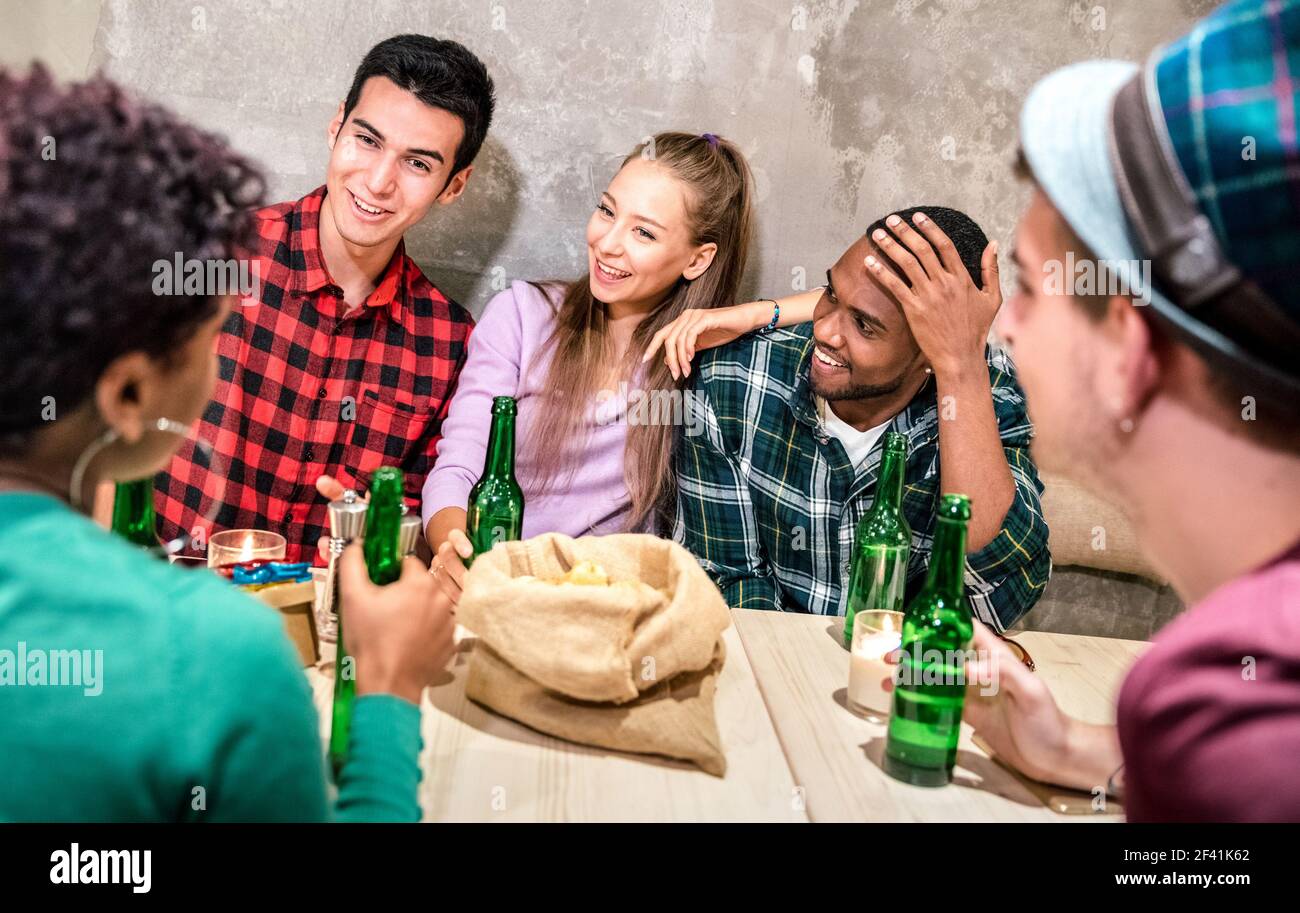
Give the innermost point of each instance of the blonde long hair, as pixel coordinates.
(719, 210)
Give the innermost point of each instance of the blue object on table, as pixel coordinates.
(273, 572)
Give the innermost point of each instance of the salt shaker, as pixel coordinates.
(347, 518)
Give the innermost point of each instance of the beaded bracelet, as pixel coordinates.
(776, 315)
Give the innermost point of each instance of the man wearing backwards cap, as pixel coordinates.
(1182, 404)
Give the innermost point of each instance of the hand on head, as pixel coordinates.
(949, 316)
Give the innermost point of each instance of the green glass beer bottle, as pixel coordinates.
(133, 517)
(882, 543)
(929, 687)
(496, 502)
(384, 563)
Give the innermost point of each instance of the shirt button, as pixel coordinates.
(309, 455)
(322, 393)
(288, 519)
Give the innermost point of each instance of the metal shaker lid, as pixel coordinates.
(348, 516)
(409, 533)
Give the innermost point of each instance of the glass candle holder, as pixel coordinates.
(234, 545)
(875, 633)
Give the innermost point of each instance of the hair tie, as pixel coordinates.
(711, 138)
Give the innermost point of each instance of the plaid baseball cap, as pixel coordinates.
(1190, 165)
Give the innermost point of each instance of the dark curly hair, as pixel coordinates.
(966, 236)
(95, 187)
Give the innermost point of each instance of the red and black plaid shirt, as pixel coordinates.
(304, 391)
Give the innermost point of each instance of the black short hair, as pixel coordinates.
(96, 188)
(966, 236)
(441, 73)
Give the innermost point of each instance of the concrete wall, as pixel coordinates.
(846, 109)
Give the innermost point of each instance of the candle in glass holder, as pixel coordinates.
(233, 546)
(875, 633)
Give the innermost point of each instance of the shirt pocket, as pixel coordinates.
(389, 432)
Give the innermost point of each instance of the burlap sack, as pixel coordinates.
(631, 667)
(673, 719)
(588, 642)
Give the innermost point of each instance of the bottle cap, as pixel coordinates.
(955, 507)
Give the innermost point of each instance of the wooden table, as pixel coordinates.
(803, 669)
(794, 750)
(482, 767)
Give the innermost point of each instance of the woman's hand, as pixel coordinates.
(448, 567)
(704, 328)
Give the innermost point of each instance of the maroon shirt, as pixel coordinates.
(1209, 717)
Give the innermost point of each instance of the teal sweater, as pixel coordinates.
(131, 690)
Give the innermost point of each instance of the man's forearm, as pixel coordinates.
(971, 459)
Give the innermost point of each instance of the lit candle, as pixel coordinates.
(239, 545)
(867, 667)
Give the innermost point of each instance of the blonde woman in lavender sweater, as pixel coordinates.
(670, 233)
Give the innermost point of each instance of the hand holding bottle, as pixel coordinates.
(401, 635)
(448, 567)
(1021, 722)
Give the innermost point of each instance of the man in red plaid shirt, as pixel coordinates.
(346, 357)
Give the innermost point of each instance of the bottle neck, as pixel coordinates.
(500, 461)
(889, 485)
(948, 558)
(380, 546)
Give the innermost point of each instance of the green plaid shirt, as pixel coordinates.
(768, 500)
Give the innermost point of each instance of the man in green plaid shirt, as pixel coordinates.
(771, 490)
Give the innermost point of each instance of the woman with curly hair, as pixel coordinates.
(132, 690)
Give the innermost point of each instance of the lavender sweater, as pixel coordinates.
(502, 347)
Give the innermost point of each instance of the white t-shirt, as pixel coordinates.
(857, 444)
